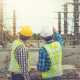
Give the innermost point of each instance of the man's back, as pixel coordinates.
(45, 63)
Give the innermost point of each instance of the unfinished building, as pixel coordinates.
(72, 38)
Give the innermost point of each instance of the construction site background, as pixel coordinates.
(71, 49)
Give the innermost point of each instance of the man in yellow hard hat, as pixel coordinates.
(19, 63)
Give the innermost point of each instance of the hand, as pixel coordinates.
(54, 29)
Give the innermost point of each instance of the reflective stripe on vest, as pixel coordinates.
(54, 51)
(14, 66)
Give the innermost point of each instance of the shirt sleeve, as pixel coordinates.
(57, 37)
(44, 60)
(21, 57)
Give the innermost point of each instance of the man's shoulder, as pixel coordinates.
(20, 47)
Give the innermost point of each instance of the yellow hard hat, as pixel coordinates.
(25, 30)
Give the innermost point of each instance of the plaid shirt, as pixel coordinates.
(44, 60)
(22, 60)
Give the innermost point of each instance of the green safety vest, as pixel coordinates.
(14, 66)
(54, 51)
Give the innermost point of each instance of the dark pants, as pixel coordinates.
(55, 78)
(33, 76)
(17, 77)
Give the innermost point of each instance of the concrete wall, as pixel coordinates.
(70, 56)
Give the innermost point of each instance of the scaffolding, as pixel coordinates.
(1, 22)
(72, 38)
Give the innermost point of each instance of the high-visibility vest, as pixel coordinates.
(54, 51)
(14, 66)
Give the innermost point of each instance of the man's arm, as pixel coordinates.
(44, 61)
(21, 57)
(57, 37)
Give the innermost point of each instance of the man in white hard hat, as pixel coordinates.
(50, 55)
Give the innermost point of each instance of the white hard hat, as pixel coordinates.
(46, 31)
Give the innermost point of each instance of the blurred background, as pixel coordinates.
(64, 15)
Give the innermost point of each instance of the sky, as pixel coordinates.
(36, 13)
